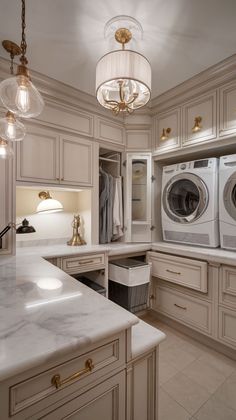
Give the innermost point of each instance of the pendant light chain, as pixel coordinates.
(23, 44)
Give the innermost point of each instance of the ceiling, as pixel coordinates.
(66, 38)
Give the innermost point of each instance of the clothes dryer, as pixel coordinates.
(227, 202)
(190, 203)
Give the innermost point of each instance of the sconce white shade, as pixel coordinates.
(126, 65)
(48, 204)
(6, 152)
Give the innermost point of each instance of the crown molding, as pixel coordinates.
(56, 91)
(212, 77)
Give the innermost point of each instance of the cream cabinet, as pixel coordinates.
(199, 120)
(138, 222)
(228, 110)
(45, 156)
(7, 204)
(168, 131)
(227, 306)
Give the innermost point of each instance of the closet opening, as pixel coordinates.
(111, 197)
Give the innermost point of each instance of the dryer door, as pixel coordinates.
(229, 196)
(185, 198)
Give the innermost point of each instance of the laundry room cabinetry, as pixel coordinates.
(227, 306)
(7, 204)
(228, 110)
(168, 130)
(199, 120)
(138, 219)
(46, 156)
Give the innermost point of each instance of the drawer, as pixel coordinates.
(40, 391)
(228, 286)
(73, 265)
(183, 271)
(227, 326)
(186, 309)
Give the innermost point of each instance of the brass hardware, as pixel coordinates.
(181, 307)
(11, 47)
(58, 179)
(152, 297)
(62, 179)
(44, 195)
(123, 35)
(76, 239)
(58, 382)
(153, 178)
(152, 227)
(165, 133)
(173, 272)
(197, 124)
(86, 262)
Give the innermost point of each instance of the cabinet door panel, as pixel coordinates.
(38, 157)
(228, 110)
(168, 120)
(7, 204)
(204, 107)
(76, 161)
(105, 401)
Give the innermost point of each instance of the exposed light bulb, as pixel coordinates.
(5, 150)
(11, 131)
(22, 98)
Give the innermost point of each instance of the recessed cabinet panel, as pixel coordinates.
(76, 161)
(38, 156)
(203, 109)
(167, 135)
(138, 139)
(227, 326)
(228, 110)
(109, 132)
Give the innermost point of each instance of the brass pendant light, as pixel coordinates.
(18, 93)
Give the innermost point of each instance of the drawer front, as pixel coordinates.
(183, 271)
(190, 311)
(227, 326)
(228, 286)
(81, 264)
(40, 391)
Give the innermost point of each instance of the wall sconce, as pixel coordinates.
(197, 124)
(48, 204)
(165, 133)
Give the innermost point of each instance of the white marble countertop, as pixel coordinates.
(144, 338)
(212, 255)
(45, 313)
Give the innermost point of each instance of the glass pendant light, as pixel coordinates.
(6, 151)
(18, 93)
(11, 129)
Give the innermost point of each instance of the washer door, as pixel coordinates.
(229, 196)
(185, 198)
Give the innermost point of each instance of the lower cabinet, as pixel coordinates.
(227, 326)
(104, 401)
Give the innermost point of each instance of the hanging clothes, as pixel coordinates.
(103, 197)
(117, 209)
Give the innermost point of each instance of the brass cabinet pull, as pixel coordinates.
(173, 272)
(86, 262)
(58, 382)
(181, 307)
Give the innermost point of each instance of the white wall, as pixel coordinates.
(54, 227)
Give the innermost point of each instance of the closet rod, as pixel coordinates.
(109, 160)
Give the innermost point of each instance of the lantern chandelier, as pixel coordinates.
(18, 94)
(123, 77)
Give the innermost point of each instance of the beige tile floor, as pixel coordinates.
(196, 382)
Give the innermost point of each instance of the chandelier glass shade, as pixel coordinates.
(11, 129)
(6, 150)
(123, 78)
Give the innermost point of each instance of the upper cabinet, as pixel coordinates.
(199, 120)
(45, 156)
(168, 130)
(107, 131)
(228, 110)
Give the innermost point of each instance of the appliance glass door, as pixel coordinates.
(185, 198)
(229, 196)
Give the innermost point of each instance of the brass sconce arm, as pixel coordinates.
(165, 133)
(197, 124)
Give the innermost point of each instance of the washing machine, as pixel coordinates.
(190, 212)
(227, 202)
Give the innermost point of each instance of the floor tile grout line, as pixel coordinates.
(177, 402)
